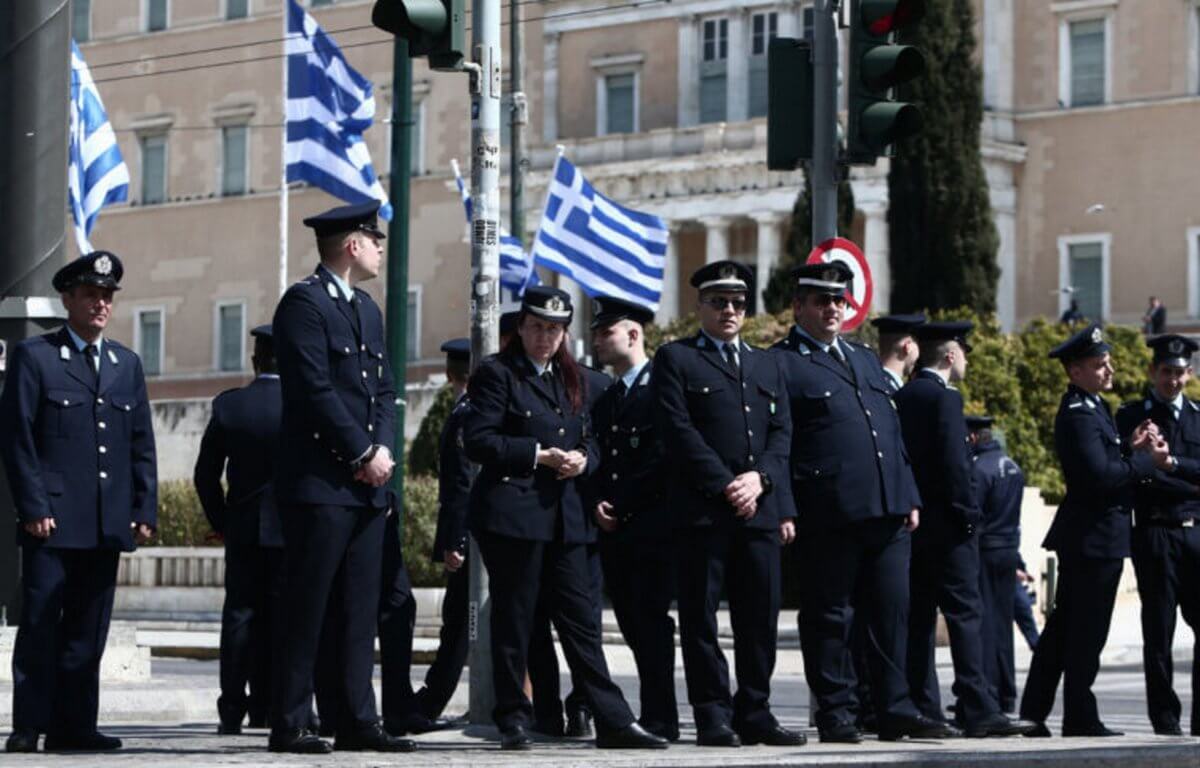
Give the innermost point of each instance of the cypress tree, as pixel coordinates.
(798, 245)
(942, 238)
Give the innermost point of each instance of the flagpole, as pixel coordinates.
(283, 187)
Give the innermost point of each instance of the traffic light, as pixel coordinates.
(433, 28)
(789, 103)
(877, 66)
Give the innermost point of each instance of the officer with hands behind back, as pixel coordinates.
(78, 447)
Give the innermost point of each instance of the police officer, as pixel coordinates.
(241, 442)
(1090, 533)
(338, 421)
(898, 347)
(723, 419)
(77, 444)
(857, 503)
(529, 431)
(945, 563)
(1166, 539)
(456, 473)
(629, 506)
(999, 487)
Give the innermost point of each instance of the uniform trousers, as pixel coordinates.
(397, 620)
(1071, 642)
(519, 571)
(1023, 615)
(837, 566)
(997, 584)
(250, 629)
(639, 575)
(745, 563)
(453, 645)
(945, 575)
(1167, 561)
(67, 599)
(333, 562)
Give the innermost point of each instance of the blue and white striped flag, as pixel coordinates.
(516, 268)
(329, 105)
(608, 249)
(96, 174)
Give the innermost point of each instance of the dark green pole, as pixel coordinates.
(397, 250)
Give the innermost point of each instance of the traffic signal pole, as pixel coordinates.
(397, 250)
(517, 119)
(824, 165)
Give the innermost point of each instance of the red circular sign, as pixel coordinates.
(862, 289)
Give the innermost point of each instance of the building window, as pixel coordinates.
(764, 27)
(1083, 274)
(1193, 249)
(234, 141)
(320, 3)
(230, 336)
(412, 324)
(156, 15)
(81, 20)
(714, 53)
(620, 103)
(237, 9)
(807, 22)
(154, 168)
(148, 339)
(1086, 65)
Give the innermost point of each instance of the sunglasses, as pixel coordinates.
(718, 303)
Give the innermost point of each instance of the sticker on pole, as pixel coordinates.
(858, 298)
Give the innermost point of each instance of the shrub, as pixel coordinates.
(181, 520)
(420, 527)
(423, 453)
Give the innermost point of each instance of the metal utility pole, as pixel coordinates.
(397, 249)
(518, 117)
(484, 304)
(824, 167)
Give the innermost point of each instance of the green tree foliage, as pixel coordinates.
(798, 245)
(942, 238)
(181, 520)
(423, 453)
(420, 527)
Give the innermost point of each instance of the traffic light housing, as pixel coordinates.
(433, 28)
(789, 103)
(877, 65)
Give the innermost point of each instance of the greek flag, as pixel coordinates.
(608, 249)
(516, 268)
(96, 174)
(329, 106)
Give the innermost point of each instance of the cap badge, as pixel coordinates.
(830, 275)
(102, 265)
(728, 272)
(1097, 336)
(1176, 347)
(554, 304)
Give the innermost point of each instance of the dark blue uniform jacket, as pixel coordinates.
(75, 449)
(456, 473)
(338, 393)
(715, 427)
(999, 486)
(1171, 496)
(512, 412)
(1093, 519)
(847, 457)
(242, 442)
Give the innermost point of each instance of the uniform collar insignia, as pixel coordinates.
(1194, 406)
(64, 353)
(1149, 405)
(1090, 403)
(332, 290)
(645, 377)
(112, 356)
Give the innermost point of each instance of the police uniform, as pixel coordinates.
(1090, 533)
(338, 411)
(532, 528)
(721, 412)
(241, 442)
(78, 447)
(945, 561)
(999, 488)
(853, 490)
(1166, 538)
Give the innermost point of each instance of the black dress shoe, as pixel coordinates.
(662, 731)
(1168, 729)
(997, 725)
(579, 725)
(919, 727)
(842, 733)
(718, 736)
(299, 742)
(81, 742)
(632, 736)
(229, 729)
(415, 722)
(372, 738)
(1095, 730)
(257, 721)
(1039, 731)
(552, 729)
(21, 741)
(775, 737)
(515, 738)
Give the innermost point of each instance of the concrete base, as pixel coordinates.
(124, 660)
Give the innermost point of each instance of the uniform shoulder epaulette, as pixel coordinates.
(1191, 403)
(224, 392)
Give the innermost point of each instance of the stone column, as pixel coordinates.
(769, 248)
(668, 306)
(716, 238)
(737, 68)
(689, 71)
(877, 253)
(998, 68)
(550, 87)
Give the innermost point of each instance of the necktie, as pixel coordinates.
(622, 390)
(731, 357)
(838, 355)
(93, 355)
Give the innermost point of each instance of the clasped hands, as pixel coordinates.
(566, 464)
(1148, 438)
(378, 471)
(41, 529)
